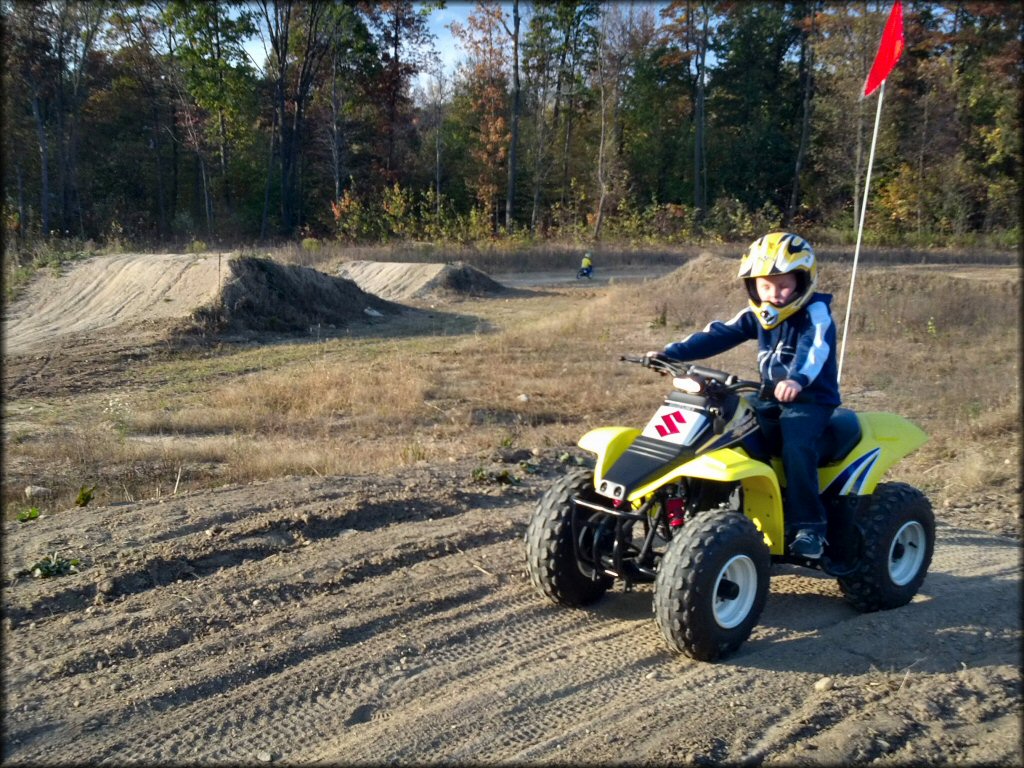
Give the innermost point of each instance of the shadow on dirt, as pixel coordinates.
(411, 322)
(955, 622)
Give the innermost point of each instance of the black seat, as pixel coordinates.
(841, 436)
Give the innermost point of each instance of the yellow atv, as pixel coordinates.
(694, 503)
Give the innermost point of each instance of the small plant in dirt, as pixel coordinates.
(85, 495)
(29, 514)
(567, 458)
(50, 566)
(501, 477)
(661, 319)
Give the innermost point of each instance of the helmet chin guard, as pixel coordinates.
(767, 314)
(779, 253)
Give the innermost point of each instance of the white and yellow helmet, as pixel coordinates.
(779, 253)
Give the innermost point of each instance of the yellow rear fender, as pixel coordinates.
(762, 500)
(886, 438)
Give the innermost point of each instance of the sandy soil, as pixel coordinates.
(115, 291)
(388, 619)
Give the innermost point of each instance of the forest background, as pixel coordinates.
(151, 125)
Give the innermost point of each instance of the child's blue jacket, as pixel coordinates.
(802, 348)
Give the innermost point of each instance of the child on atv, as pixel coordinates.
(797, 361)
(586, 266)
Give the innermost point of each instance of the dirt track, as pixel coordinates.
(379, 619)
(387, 619)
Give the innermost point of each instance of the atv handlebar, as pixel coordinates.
(723, 380)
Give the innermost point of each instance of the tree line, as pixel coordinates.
(128, 121)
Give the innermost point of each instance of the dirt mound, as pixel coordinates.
(262, 295)
(705, 268)
(399, 280)
(163, 292)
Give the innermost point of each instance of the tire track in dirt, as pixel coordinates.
(360, 621)
(393, 558)
(134, 585)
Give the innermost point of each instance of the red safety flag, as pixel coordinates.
(889, 51)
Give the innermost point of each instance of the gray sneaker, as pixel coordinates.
(807, 544)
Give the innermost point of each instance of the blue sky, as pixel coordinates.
(438, 21)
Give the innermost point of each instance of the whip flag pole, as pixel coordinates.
(889, 52)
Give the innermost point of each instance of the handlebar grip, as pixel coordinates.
(710, 373)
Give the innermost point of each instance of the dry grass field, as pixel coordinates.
(533, 370)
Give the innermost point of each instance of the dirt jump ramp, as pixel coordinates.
(400, 281)
(182, 293)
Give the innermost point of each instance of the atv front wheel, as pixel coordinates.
(897, 541)
(551, 559)
(712, 585)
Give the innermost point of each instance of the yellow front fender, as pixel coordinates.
(762, 499)
(608, 444)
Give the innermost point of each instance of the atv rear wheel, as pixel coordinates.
(712, 585)
(897, 541)
(551, 558)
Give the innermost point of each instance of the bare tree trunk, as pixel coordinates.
(920, 156)
(807, 70)
(175, 179)
(437, 163)
(393, 94)
(699, 188)
(44, 167)
(565, 149)
(207, 197)
(266, 186)
(437, 95)
(335, 130)
(859, 139)
(79, 25)
(540, 158)
(294, 87)
(60, 146)
(858, 159)
(223, 150)
(602, 185)
(20, 235)
(514, 140)
(155, 145)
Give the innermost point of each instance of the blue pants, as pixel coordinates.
(794, 431)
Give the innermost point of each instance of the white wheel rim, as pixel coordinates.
(730, 612)
(906, 553)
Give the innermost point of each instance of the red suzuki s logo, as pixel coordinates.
(668, 425)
